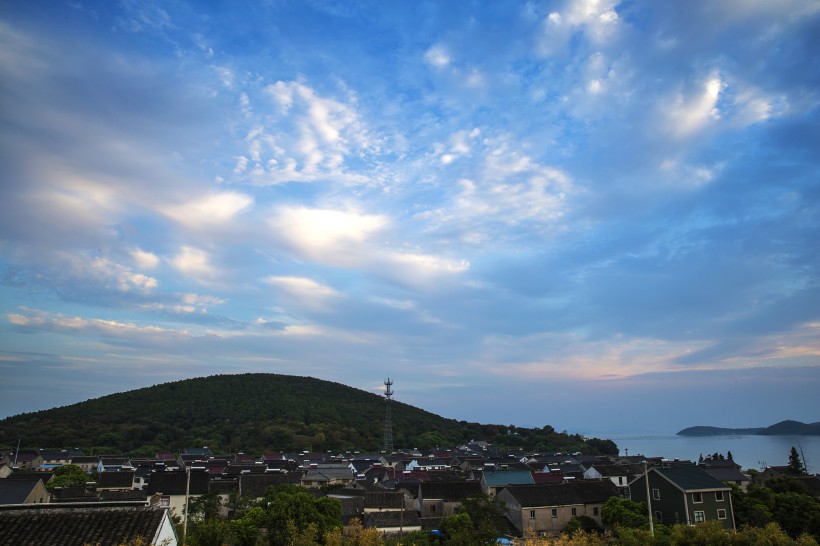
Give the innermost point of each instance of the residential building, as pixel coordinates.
(685, 494)
(28, 490)
(440, 499)
(546, 509)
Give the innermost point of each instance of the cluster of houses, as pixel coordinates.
(399, 492)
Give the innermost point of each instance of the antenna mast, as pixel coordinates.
(388, 418)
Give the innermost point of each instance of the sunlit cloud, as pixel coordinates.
(195, 263)
(210, 209)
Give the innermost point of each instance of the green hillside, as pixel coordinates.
(260, 412)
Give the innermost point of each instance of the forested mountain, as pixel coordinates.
(261, 412)
(783, 428)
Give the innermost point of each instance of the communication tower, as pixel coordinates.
(388, 418)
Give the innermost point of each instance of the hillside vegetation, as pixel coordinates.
(261, 412)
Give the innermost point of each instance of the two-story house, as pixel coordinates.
(546, 509)
(684, 494)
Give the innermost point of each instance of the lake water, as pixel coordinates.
(748, 451)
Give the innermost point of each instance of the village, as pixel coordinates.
(394, 493)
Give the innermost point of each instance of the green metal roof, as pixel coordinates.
(690, 478)
(500, 478)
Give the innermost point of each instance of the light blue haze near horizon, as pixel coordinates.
(593, 214)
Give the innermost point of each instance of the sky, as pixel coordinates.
(602, 216)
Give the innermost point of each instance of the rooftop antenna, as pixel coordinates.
(388, 418)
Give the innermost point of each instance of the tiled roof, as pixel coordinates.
(393, 518)
(173, 482)
(726, 473)
(690, 478)
(116, 480)
(256, 485)
(560, 494)
(383, 499)
(450, 491)
(47, 525)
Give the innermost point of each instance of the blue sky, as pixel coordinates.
(597, 215)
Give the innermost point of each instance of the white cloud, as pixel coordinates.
(509, 188)
(210, 209)
(686, 115)
(303, 291)
(225, 75)
(437, 56)
(416, 268)
(144, 259)
(42, 320)
(310, 138)
(107, 273)
(186, 304)
(194, 263)
(597, 19)
(327, 235)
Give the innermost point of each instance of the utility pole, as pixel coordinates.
(187, 493)
(648, 499)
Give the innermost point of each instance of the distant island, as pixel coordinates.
(783, 428)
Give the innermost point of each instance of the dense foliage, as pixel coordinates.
(783, 501)
(262, 412)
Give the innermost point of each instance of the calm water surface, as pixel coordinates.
(748, 451)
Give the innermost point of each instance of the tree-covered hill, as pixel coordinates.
(261, 412)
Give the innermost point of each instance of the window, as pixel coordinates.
(165, 501)
(532, 514)
(658, 515)
(620, 480)
(721, 514)
(432, 508)
(656, 494)
(700, 517)
(719, 496)
(555, 512)
(574, 512)
(595, 511)
(697, 498)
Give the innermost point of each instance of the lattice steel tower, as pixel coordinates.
(388, 418)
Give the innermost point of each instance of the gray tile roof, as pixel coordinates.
(450, 491)
(383, 499)
(173, 482)
(47, 525)
(393, 518)
(561, 494)
(116, 480)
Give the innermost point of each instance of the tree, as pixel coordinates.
(291, 510)
(583, 524)
(796, 465)
(458, 529)
(618, 512)
(485, 512)
(68, 475)
(204, 507)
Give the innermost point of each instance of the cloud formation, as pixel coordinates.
(501, 200)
